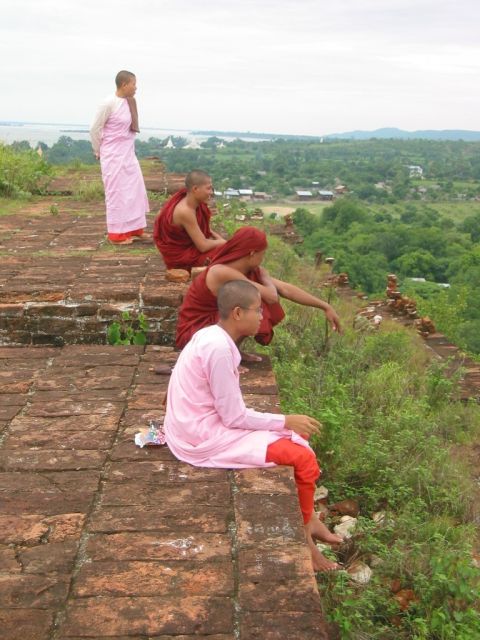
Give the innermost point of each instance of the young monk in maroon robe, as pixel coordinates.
(240, 258)
(182, 228)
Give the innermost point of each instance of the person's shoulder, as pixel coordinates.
(213, 338)
(183, 211)
(220, 273)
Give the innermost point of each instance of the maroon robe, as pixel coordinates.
(199, 307)
(174, 243)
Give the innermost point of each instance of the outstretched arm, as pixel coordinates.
(189, 222)
(295, 294)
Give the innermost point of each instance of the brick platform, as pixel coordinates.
(100, 539)
(62, 283)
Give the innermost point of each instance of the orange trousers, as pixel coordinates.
(120, 237)
(306, 471)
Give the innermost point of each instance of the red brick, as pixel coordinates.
(50, 310)
(31, 353)
(165, 296)
(11, 310)
(86, 309)
(275, 517)
(287, 595)
(14, 460)
(269, 481)
(16, 337)
(48, 558)
(208, 636)
(74, 407)
(163, 472)
(65, 526)
(81, 440)
(195, 547)
(40, 592)
(8, 561)
(274, 562)
(12, 400)
(16, 529)
(148, 616)
(178, 518)
(101, 397)
(210, 494)
(90, 423)
(26, 624)
(276, 625)
(14, 385)
(142, 578)
(9, 412)
(50, 494)
(128, 451)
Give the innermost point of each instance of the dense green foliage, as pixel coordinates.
(281, 166)
(391, 434)
(418, 243)
(22, 172)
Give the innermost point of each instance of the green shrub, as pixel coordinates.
(22, 173)
(89, 190)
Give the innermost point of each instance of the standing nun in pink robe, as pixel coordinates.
(113, 141)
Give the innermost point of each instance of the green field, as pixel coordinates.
(456, 211)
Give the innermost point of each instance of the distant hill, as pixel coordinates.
(392, 132)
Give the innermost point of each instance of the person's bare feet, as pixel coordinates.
(250, 357)
(320, 562)
(126, 241)
(320, 531)
(144, 236)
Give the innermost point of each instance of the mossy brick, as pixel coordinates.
(11, 310)
(86, 309)
(49, 310)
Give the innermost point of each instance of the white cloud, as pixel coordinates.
(303, 66)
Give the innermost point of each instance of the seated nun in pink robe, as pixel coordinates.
(113, 141)
(208, 425)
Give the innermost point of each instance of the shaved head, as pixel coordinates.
(195, 178)
(123, 77)
(236, 293)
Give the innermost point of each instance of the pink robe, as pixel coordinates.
(207, 423)
(125, 195)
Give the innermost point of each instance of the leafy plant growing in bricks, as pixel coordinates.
(128, 330)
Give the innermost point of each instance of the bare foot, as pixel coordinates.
(321, 563)
(242, 370)
(126, 241)
(144, 236)
(250, 357)
(320, 531)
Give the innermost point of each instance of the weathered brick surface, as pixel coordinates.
(149, 616)
(147, 578)
(19, 624)
(101, 539)
(49, 295)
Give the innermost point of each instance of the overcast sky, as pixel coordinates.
(280, 66)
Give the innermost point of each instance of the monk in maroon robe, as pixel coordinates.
(240, 259)
(182, 230)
